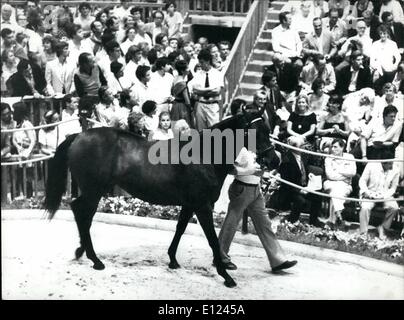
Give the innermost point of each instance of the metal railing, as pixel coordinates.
(216, 7)
(243, 47)
(147, 7)
(28, 177)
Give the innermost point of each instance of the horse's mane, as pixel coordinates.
(129, 133)
(225, 123)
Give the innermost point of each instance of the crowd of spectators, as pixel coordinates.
(335, 84)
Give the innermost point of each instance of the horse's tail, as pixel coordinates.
(57, 177)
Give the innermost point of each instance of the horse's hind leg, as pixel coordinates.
(84, 209)
(205, 218)
(182, 223)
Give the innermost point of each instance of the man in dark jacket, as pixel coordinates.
(27, 81)
(286, 74)
(294, 170)
(355, 76)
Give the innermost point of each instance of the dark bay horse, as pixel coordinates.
(104, 157)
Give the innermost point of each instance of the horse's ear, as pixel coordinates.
(243, 108)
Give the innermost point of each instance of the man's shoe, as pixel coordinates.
(286, 265)
(228, 265)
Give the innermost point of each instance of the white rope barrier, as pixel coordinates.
(328, 195)
(4, 164)
(39, 127)
(330, 155)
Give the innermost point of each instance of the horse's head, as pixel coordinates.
(265, 150)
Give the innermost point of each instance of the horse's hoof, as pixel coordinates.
(230, 283)
(99, 266)
(79, 252)
(174, 265)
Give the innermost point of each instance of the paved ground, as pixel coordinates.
(37, 264)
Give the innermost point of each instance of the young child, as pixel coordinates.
(163, 132)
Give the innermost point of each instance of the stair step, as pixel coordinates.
(266, 34)
(273, 15)
(271, 23)
(264, 55)
(278, 5)
(257, 65)
(252, 77)
(249, 89)
(264, 44)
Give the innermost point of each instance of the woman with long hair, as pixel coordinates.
(49, 50)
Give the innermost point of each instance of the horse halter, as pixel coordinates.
(248, 126)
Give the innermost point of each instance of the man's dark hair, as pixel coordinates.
(389, 109)
(267, 76)
(110, 22)
(340, 142)
(355, 54)
(317, 58)
(22, 65)
(237, 105)
(205, 55)
(6, 32)
(72, 29)
(181, 66)
(59, 47)
(161, 63)
(84, 5)
(282, 16)
(110, 46)
(106, 37)
(224, 43)
(317, 83)
(385, 15)
(169, 3)
(116, 67)
(152, 56)
(5, 106)
(141, 72)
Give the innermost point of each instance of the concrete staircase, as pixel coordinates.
(251, 80)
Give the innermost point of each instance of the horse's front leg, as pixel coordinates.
(183, 219)
(205, 218)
